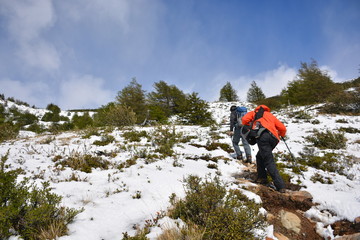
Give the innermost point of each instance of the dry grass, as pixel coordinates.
(53, 231)
(190, 232)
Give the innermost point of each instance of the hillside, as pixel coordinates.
(144, 166)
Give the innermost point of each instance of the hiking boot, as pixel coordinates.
(248, 159)
(262, 181)
(239, 157)
(282, 190)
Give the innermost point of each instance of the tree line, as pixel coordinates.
(310, 86)
(133, 105)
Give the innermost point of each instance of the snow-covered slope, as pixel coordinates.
(115, 200)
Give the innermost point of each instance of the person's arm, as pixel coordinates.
(249, 117)
(280, 127)
(232, 120)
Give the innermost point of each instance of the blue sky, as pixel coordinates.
(80, 53)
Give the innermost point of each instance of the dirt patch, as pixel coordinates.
(274, 202)
(345, 228)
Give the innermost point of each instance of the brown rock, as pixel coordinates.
(355, 236)
(280, 236)
(270, 217)
(300, 196)
(290, 221)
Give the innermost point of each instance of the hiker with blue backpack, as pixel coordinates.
(235, 126)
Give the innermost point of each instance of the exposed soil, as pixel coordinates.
(274, 202)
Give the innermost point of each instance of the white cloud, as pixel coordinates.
(27, 21)
(332, 73)
(34, 93)
(271, 82)
(84, 92)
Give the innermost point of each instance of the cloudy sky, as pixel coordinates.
(80, 53)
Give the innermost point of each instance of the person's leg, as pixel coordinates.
(247, 150)
(266, 144)
(260, 167)
(235, 141)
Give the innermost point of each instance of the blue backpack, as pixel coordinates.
(240, 111)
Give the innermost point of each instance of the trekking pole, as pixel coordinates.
(293, 158)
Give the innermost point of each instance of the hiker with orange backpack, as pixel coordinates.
(267, 130)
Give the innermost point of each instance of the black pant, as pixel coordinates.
(265, 159)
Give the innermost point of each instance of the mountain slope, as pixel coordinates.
(142, 172)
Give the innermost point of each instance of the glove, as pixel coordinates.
(230, 133)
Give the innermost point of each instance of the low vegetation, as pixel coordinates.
(30, 211)
(327, 140)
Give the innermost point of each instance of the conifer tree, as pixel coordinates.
(255, 93)
(195, 111)
(133, 96)
(310, 86)
(228, 93)
(166, 98)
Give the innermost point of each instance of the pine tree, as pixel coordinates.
(166, 98)
(310, 86)
(195, 111)
(133, 96)
(255, 93)
(228, 93)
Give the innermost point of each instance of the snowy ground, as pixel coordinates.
(115, 201)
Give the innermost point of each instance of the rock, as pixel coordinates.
(280, 236)
(357, 220)
(355, 236)
(270, 217)
(290, 221)
(300, 196)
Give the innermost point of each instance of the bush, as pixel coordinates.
(29, 211)
(36, 127)
(84, 162)
(221, 214)
(349, 130)
(105, 140)
(327, 140)
(115, 115)
(8, 131)
(83, 121)
(329, 162)
(343, 102)
(165, 139)
(134, 136)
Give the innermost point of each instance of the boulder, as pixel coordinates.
(290, 221)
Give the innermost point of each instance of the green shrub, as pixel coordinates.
(8, 131)
(30, 211)
(221, 214)
(134, 136)
(300, 115)
(84, 162)
(90, 131)
(327, 140)
(83, 121)
(349, 130)
(105, 140)
(114, 115)
(165, 138)
(329, 162)
(26, 118)
(319, 178)
(36, 127)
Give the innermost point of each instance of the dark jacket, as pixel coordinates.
(233, 120)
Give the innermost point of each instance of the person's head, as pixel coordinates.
(233, 108)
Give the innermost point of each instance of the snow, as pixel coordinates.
(116, 201)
